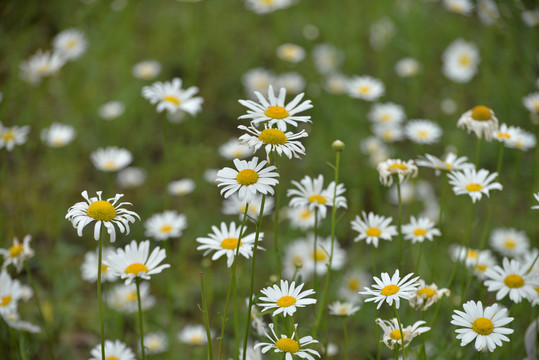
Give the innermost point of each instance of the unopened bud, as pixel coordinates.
(337, 145)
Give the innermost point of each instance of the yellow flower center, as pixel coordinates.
(136, 268)
(43, 69)
(473, 187)
(385, 118)
(502, 135)
(297, 261)
(172, 99)
(353, 284)
(101, 210)
(230, 243)
(514, 281)
(112, 358)
(286, 301)
(305, 214)
(71, 44)
(319, 255)
(287, 345)
(427, 292)
(449, 166)
(15, 250)
(372, 231)
(395, 334)
(131, 296)
(422, 134)
(196, 339)
(397, 167)
(388, 135)
(390, 290)
(247, 177)
(364, 89)
(472, 254)
(481, 268)
(465, 60)
(420, 232)
(276, 112)
(481, 113)
(58, 142)
(109, 165)
(5, 300)
(153, 344)
(272, 136)
(510, 243)
(166, 228)
(318, 199)
(8, 135)
(104, 268)
(268, 2)
(482, 326)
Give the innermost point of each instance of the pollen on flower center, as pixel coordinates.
(287, 345)
(353, 284)
(465, 60)
(276, 112)
(272, 136)
(510, 244)
(502, 135)
(8, 135)
(473, 187)
(428, 292)
(101, 210)
(373, 231)
(104, 268)
(15, 250)
(166, 228)
(390, 290)
(173, 99)
(136, 268)
(472, 254)
(230, 243)
(395, 334)
(449, 166)
(481, 113)
(482, 326)
(196, 339)
(481, 268)
(317, 198)
(420, 232)
(247, 177)
(319, 255)
(398, 167)
(5, 300)
(514, 281)
(286, 301)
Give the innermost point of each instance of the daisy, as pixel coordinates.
(171, 97)
(193, 335)
(407, 67)
(381, 32)
(523, 140)
(392, 333)
(318, 260)
(177, 117)
(327, 58)
(468, 256)
(352, 282)
(485, 260)
(483, 325)
(234, 206)
(481, 120)
(296, 254)
(463, 7)
(248, 179)
(366, 88)
(123, 298)
(251, 353)
(536, 195)
(224, 241)
(70, 44)
(111, 158)
(42, 64)
(505, 133)
(336, 84)
(372, 145)
(339, 308)
(388, 133)
(387, 113)
(155, 342)
(513, 279)
(233, 149)
(301, 217)
(91, 263)
(181, 187)
(460, 60)
(12, 319)
(11, 136)
(285, 299)
(165, 225)
(58, 135)
(114, 350)
(423, 131)
(135, 261)
(18, 253)
(391, 289)
(131, 177)
(474, 183)
(531, 17)
(10, 293)
(531, 102)
(291, 52)
(257, 319)
(275, 111)
(372, 228)
(111, 110)
(146, 70)
(292, 82)
(427, 295)
(311, 194)
(103, 212)
(273, 140)
(487, 10)
(288, 345)
(420, 229)
(450, 162)
(391, 167)
(509, 242)
(258, 79)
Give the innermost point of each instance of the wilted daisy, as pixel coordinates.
(474, 183)
(91, 263)
(275, 111)
(352, 282)
(291, 52)
(147, 69)
(391, 289)
(460, 59)
(42, 64)
(234, 206)
(170, 96)
(10, 293)
(426, 295)
(450, 162)
(531, 102)
(509, 242)
(113, 350)
(111, 158)
(11, 136)
(481, 120)
(301, 217)
(193, 335)
(248, 179)
(258, 79)
(485, 326)
(373, 227)
(391, 167)
(124, 297)
(463, 7)
(233, 149)
(103, 212)
(155, 342)
(288, 345)
(366, 88)
(388, 133)
(285, 299)
(165, 225)
(131, 177)
(58, 135)
(487, 10)
(327, 58)
(70, 44)
(181, 187)
(17, 253)
(336, 84)
(345, 308)
(111, 110)
(420, 229)
(293, 82)
(407, 67)
(387, 113)
(274, 140)
(392, 333)
(423, 131)
(513, 279)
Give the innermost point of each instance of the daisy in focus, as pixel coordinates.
(372, 228)
(460, 60)
(193, 335)
(365, 88)
(111, 158)
(420, 229)
(339, 308)
(108, 213)
(115, 350)
(392, 334)
(146, 70)
(11, 136)
(58, 135)
(165, 225)
(391, 167)
(170, 96)
(509, 242)
(40, 65)
(17, 253)
(450, 162)
(422, 131)
(90, 265)
(426, 295)
(285, 299)
(273, 140)
(391, 289)
(474, 183)
(70, 44)
(481, 120)
(513, 279)
(288, 345)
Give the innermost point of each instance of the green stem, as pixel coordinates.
(477, 152)
(374, 260)
(276, 223)
(137, 280)
(399, 224)
(22, 346)
(400, 329)
(99, 297)
(315, 248)
(168, 291)
(205, 315)
(418, 258)
(345, 333)
(442, 193)
(533, 264)
(464, 244)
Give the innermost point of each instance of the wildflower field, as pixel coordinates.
(269, 179)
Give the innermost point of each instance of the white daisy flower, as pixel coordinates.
(321, 255)
(275, 111)
(274, 140)
(366, 88)
(288, 345)
(388, 132)
(336, 84)
(301, 217)
(147, 69)
(233, 149)
(381, 32)
(123, 297)
(468, 256)
(352, 283)
(530, 17)
(463, 7)
(387, 113)
(509, 242)
(481, 120)
(193, 335)
(505, 133)
(170, 96)
(485, 260)
(420, 229)
(131, 177)
(372, 145)
(224, 241)
(407, 67)
(531, 102)
(42, 64)
(248, 179)
(285, 299)
(12, 319)
(423, 131)
(296, 254)
(391, 167)
(460, 60)
(258, 79)
(58, 135)
(113, 350)
(474, 183)
(293, 82)
(392, 334)
(487, 10)
(155, 342)
(111, 110)
(327, 58)
(373, 227)
(512, 279)
(536, 195)
(485, 326)
(339, 308)
(111, 158)
(17, 253)
(11, 136)
(427, 295)
(103, 212)
(181, 187)
(290, 52)
(251, 353)
(165, 225)
(391, 289)
(90, 266)
(10, 294)
(70, 44)
(523, 140)
(257, 319)
(234, 206)
(450, 162)
(177, 117)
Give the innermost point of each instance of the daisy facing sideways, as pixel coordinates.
(289, 345)
(481, 120)
(450, 162)
(427, 295)
(390, 167)
(285, 298)
(273, 140)
(171, 97)
(474, 183)
(391, 289)
(392, 334)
